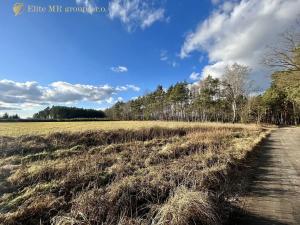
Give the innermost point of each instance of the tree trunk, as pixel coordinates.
(234, 111)
(294, 112)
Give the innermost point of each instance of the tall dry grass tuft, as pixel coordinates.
(187, 207)
(90, 207)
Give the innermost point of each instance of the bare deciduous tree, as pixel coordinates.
(286, 54)
(236, 84)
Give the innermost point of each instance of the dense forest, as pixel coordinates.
(63, 112)
(230, 98)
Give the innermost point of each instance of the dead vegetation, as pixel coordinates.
(163, 176)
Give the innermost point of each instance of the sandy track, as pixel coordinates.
(274, 196)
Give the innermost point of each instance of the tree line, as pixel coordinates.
(230, 98)
(220, 100)
(6, 116)
(63, 112)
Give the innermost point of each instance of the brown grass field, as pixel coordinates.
(123, 173)
(44, 128)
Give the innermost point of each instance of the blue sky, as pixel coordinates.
(93, 59)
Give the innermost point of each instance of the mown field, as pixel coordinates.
(124, 173)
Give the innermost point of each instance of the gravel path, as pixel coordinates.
(274, 196)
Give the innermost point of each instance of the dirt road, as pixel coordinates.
(274, 196)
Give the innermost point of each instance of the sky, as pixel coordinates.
(117, 50)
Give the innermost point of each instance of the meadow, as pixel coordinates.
(124, 173)
(44, 128)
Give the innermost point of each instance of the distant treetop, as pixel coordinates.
(63, 112)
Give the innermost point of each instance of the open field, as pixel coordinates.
(44, 128)
(170, 174)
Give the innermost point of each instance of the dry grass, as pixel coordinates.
(186, 206)
(44, 128)
(175, 174)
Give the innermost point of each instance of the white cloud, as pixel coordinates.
(128, 87)
(66, 92)
(113, 100)
(240, 32)
(224, 5)
(227, 6)
(15, 92)
(2, 107)
(195, 76)
(89, 4)
(133, 87)
(110, 100)
(15, 95)
(152, 17)
(119, 69)
(136, 13)
(163, 55)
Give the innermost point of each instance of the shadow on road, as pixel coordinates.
(246, 218)
(272, 196)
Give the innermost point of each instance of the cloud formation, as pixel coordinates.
(119, 69)
(113, 100)
(13, 94)
(240, 32)
(136, 13)
(195, 76)
(128, 87)
(8, 108)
